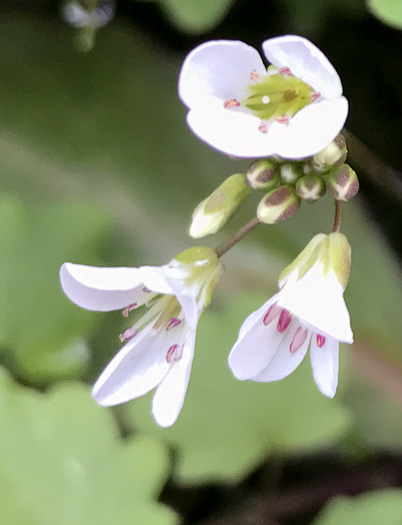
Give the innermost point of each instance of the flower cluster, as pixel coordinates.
(291, 114)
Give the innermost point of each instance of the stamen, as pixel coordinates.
(263, 128)
(128, 309)
(321, 340)
(298, 339)
(172, 323)
(231, 103)
(314, 95)
(273, 313)
(175, 352)
(266, 99)
(254, 75)
(285, 71)
(284, 321)
(283, 120)
(128, 334)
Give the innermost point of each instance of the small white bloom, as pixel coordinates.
(160, 345)
(308, 311)
(75, 14)
(294, 109)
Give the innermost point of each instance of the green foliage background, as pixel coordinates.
(97, 166)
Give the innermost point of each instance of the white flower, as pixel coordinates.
(74, 13)
(294, 109)
(160, 345)
(308, 311)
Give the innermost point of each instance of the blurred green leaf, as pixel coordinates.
(372, 508)
(195, 16)
(62, 462)
(227, 426)
(388, 11)
(307, 18)
(37, 323)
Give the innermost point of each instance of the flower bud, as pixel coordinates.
(290, 172)
(310, 187)
(213, 212)
(278, 205)
(263, 175)
(333, 155)
(343, 183)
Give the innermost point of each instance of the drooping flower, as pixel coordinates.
(292, 109)
(308, 311)
(159, 346)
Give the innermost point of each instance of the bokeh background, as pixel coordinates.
(97, 166)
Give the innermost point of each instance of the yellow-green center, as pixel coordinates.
(277, 96)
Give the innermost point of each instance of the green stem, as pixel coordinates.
(238, 236)
(338, 216)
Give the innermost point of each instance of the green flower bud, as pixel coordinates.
(343, 183)
(263, 175)
(310, 187)
(213, 212)
(333, 155)
(278, 205)
(291, 172)
(332, 252)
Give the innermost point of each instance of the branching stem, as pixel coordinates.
(238, 236)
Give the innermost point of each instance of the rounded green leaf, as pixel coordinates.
(388, 11)
(195, 16)
(62, 462)
(372, 508)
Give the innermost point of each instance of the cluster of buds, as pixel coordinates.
(286, 184)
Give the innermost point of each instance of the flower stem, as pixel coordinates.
(238, 236)
(338, 216)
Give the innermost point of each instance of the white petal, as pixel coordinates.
(169, 396)
(138, 368)
(284, 362)
(187, 300)
(219, 68)
(310, 130)
(318, 301)
(230, 131)
(306, 62)
(101, 289)
(254, 317)
(155, 278)
(325, 365)
(256, 345)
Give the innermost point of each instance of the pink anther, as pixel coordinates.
(272, 313)
(231, 103)
(172, 323)
(284, 321)
(128, 309)
(285, 71)
(298, 339)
